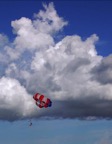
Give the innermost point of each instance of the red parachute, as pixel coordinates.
(42, 101)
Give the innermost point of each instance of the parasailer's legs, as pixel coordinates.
(30, 123)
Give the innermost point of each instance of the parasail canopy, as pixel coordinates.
(42, 101)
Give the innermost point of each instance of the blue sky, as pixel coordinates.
(67, 131)
(85, 18)
(90, 22)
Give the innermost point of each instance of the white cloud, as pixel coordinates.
(103, 72)
(48, 21)
(3, 40)
(35, 34)
(15, 102)
(70, 72)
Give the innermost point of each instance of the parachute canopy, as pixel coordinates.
(42, 101)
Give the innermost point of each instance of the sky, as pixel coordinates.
(63, 50)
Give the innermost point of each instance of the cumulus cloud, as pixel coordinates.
(69, 72)
(103, 72)
(14, 99)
